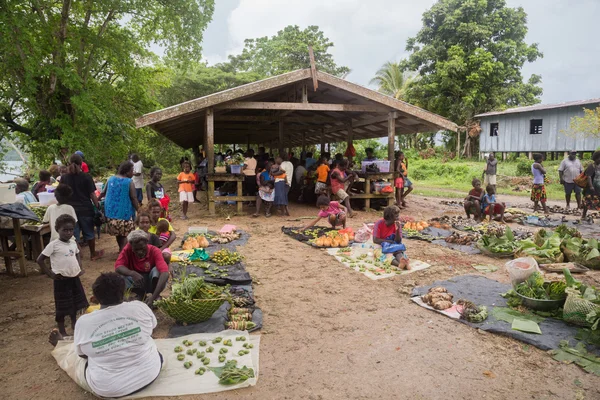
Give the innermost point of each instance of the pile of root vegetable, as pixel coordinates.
(226, 237)
(439, 298)
(332, 239)
(463, 240)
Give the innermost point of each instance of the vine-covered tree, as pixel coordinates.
(287, 51)
(469, 55)
(75, 74)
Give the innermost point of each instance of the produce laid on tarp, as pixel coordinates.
(195, 241)
(464, 240)
(192, 300)
(332, 239)
(470, 311)
(226, 257)
(438, 298)
(39, 211)
(498, 242)
(583, 303)
(543, 247)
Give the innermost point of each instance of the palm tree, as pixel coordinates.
(391, 80)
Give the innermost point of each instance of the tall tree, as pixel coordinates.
(287, 51)
(392, 80)
(75, 74)
(469, 55)
(586, 125)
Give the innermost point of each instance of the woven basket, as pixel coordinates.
(593, 263)
(190, 311)
(577, 308)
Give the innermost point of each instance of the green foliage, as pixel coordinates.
(287, 51)
(588, 125)
(391, 80)
(469, 56)
(200, 80)
(524, 167)
(75, 75)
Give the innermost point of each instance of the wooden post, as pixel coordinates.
(391, 135)
(458, 143)
(303, 142)
(322, 142)
(350, 137)
(367, 191)
(530, 155)
(247, 142)
(239, 193)
(281, 150)
(19, 245)
(304, 94)
(209, 145)
(504, 156)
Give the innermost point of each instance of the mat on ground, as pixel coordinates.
(483, 291)
(361, 258)
(174, 379)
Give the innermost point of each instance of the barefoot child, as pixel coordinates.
(322, 174)
(489, 205)
(65, 270)
(186, 181)
(389, 230)
(332, 210)
(473, 200)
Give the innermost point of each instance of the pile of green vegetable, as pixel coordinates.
(498, 242)
(543, 247)
(536, 288)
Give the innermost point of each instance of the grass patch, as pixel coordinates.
(435, 178)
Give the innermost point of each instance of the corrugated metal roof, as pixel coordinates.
(539, 107)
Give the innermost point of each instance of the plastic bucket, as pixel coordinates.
(46, 198)
(236, 169)
(99, 186)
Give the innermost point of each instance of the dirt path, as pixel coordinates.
(330, 333)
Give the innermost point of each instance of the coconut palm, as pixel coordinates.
(391, 80)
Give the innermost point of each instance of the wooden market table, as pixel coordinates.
(35, 232)
(226, 177)
(376, 176)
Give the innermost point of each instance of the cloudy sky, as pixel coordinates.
(367, 33)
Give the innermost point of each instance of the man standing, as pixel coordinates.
(249, 172)
(288, 167)
(569, 169)
(490, 172)
(138, 177)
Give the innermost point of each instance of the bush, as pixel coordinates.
(433, 169)
(524, 167)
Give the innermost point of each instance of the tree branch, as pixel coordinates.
(38, 9)
(12, 125)
(103, 28)
(61, 36)
(86, 22)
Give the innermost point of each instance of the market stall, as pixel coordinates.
(239, 199)
(20, 231)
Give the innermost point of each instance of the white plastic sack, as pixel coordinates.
(364, 233)
(520, 269)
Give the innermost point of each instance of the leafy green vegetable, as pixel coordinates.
(508, 315)
(535, 287)
(499, 244)
(578, 355)
(565, 232)
(230, 374)
(542, 247)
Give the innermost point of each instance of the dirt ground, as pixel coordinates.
(329, 333)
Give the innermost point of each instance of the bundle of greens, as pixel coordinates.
(535, 288)
(498, 243)
(230, 374)
(566, 233)
(581, 249)
(543, 248)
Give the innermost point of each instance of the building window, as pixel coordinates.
(494, 129)
(535, 127)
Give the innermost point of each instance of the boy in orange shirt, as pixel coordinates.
(186, 182)
(322, 174)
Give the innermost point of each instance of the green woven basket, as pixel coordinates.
(190, 311)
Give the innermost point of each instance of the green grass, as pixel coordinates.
(452, 179)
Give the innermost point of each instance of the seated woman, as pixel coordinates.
(389, 230)
(122, 357)
(473, 200)
(142, 267)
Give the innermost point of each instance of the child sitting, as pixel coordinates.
(489, 205)
(65, 270)
(63, 194)
(162, 229)
(332, 210)
(389, 230)
(473, 200)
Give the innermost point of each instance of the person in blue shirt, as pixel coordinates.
(310, 161)
(489, 206)
(23, 193)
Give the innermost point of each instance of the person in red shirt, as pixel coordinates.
(389, 230)
(473, 200)
(143, 267)
(84, 166)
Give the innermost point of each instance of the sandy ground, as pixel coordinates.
(330, 333)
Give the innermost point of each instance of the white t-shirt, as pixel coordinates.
(299, 174)
(138, 181)
(54, 211)
(288, 167)
(122, 356)
(63, 257)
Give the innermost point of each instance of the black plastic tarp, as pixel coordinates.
(17, 210)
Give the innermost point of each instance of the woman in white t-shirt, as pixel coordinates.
(117, 341)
